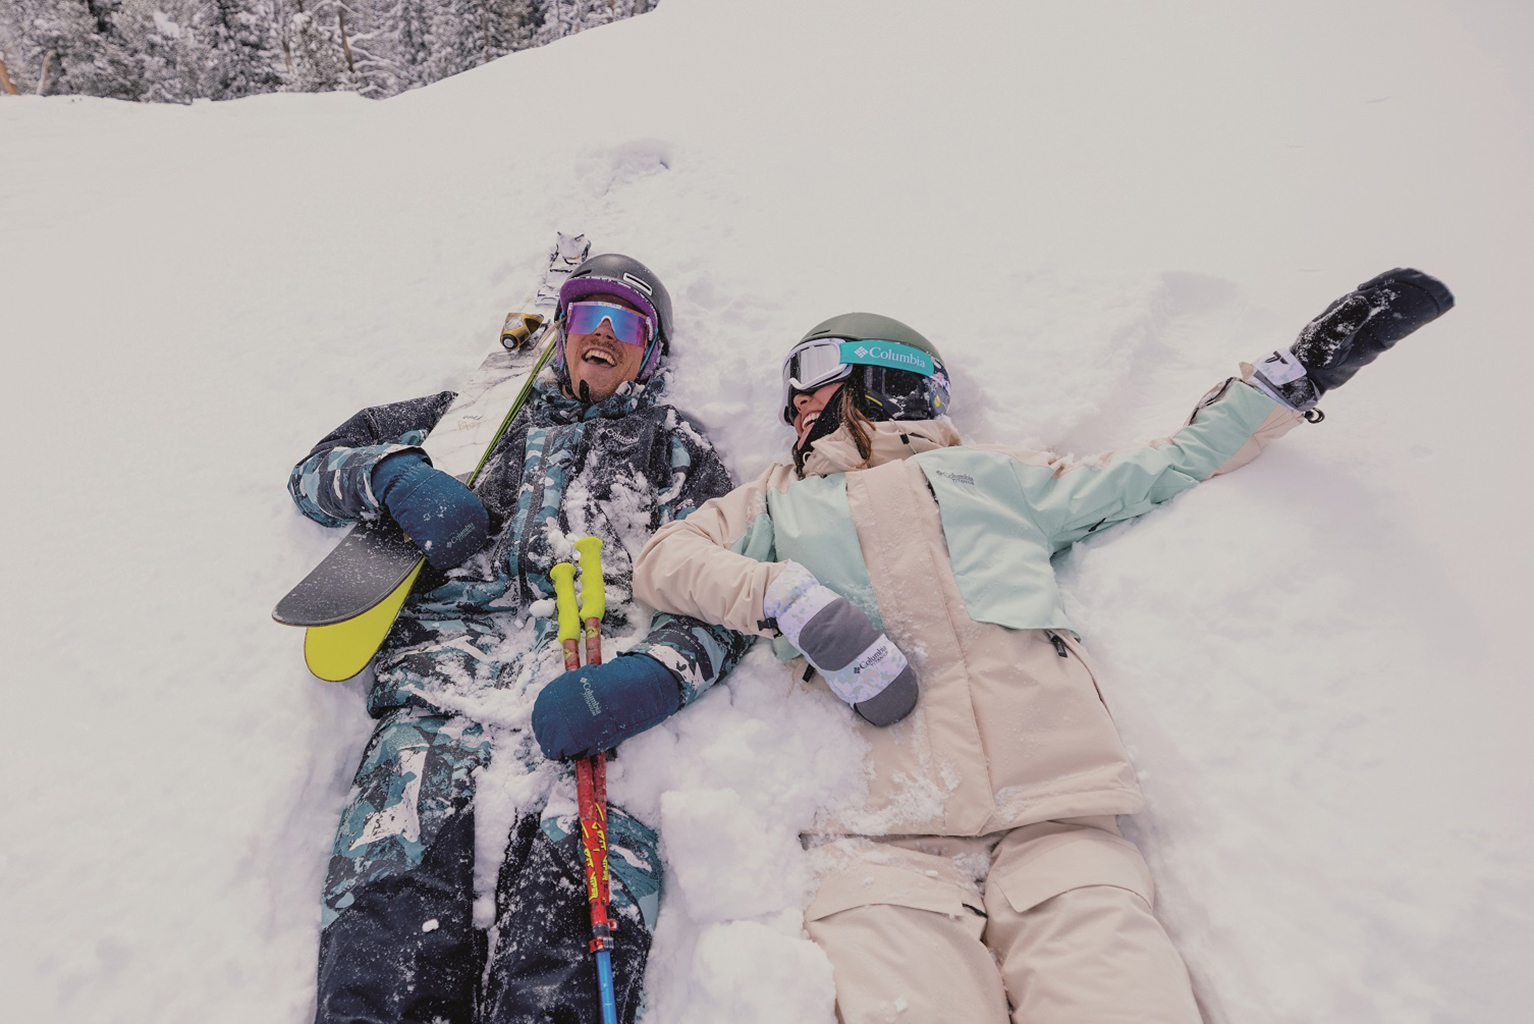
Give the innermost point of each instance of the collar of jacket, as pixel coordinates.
(631, 397)
(892, 440)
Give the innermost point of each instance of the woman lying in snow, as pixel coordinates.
(983, 873)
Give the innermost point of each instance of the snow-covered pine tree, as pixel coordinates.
(318, 57)
(242, 55)
(169, 50)
(70, 46)
(10, 47)
(467, 33)
(519, 27)
(459, 35)
(391, 45)
(566, 17)
(178, 50)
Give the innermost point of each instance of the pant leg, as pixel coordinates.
(542, 970)
(902, 924)
(1071, 922)
(399, 942)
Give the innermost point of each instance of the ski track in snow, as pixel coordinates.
(1315, 663)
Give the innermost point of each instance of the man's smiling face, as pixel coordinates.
(599, 360)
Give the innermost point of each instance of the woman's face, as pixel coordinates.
(808, 406)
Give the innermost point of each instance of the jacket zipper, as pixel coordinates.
(1064, 651)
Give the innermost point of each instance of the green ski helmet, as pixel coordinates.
(894, 372)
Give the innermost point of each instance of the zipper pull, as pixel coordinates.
(1060, 647)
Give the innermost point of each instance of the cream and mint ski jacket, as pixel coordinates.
(947, 547)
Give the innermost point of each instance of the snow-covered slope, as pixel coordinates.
(1095, 210)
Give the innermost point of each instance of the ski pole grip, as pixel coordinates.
(593, 586)
(563, 576)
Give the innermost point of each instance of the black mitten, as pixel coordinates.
(1350, 334)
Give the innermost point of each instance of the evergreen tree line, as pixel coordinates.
(175, 51)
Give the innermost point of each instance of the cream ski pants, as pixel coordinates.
(1053, 920)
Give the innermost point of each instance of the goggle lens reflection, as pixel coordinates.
(628, 326)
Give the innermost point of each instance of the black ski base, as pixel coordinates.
(366, 567)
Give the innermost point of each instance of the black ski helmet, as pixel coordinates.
(883, 392)
(616, 274)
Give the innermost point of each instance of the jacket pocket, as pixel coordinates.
(879, 885)
(1068, 647)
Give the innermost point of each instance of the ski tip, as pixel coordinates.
(337, 652)
(572, 248)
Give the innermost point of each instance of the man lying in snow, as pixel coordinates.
(982, 878)
(593, 454)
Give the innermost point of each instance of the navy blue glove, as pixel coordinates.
(597, 707)
(443, 517)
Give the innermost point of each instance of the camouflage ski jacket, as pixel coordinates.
(618, 470)
(477, 643)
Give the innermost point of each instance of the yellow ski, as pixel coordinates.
(340, 651)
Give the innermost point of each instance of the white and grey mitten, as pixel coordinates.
(861, 665)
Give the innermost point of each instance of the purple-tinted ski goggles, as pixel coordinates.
(628, 326)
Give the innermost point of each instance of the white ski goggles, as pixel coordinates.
(821, 361)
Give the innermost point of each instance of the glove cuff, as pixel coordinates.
(794, 598)
(1282, 377)
(394, 469)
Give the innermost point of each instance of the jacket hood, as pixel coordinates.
(892, 440)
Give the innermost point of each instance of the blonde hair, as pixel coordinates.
(859, 426)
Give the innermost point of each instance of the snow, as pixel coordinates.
(1095, 210)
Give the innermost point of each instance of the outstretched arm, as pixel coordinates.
(1068, 499)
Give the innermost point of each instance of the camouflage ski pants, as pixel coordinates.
(399, 940)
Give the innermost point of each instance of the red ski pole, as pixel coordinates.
(590, 772)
